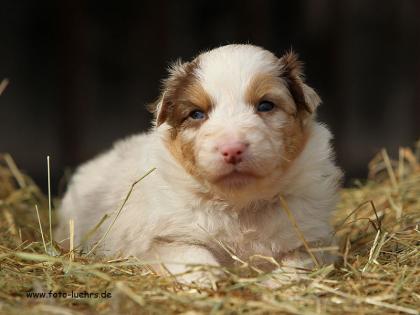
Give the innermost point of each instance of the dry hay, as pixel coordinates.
(377, 223)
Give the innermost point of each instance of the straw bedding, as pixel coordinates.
(377, 222)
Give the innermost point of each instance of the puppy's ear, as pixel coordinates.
(160, 109)
(305, 97)
(180, 75)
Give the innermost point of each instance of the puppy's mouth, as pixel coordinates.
(236, 179)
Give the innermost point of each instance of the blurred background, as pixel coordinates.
(81, 72)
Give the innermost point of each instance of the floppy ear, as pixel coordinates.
(179, 76)
(160, 110)
(305, 97)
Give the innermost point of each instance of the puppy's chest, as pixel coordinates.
(253, 232)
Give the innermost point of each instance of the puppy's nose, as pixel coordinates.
(232, 152)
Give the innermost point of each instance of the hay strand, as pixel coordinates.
(40, 228)
(119, 210)
(299, 233)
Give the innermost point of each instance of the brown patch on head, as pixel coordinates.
(276, 89)
(182, 94)
(286, 89)
(292, 74)
(268, 87)
(305, 97)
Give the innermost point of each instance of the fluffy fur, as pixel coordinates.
(195, 199)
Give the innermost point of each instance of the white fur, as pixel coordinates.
(165, 205)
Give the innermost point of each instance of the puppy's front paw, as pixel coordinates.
(188, 264)
(296, 265)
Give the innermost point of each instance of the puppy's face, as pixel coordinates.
(235, 117)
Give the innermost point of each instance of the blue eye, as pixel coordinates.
(197, 114)
(265, 106)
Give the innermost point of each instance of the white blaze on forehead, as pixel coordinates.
(226, 72)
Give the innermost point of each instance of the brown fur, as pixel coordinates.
(306, 100)
(294, 138)
(293, 75)
(183, 151)
(182, 95)
(267, 87)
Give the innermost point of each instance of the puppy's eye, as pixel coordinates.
(265, 106)
(197, 115)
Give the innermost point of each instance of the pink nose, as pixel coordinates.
(232, 152)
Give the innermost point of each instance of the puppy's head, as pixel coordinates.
(235, 117)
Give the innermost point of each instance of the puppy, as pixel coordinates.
(234, 132)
